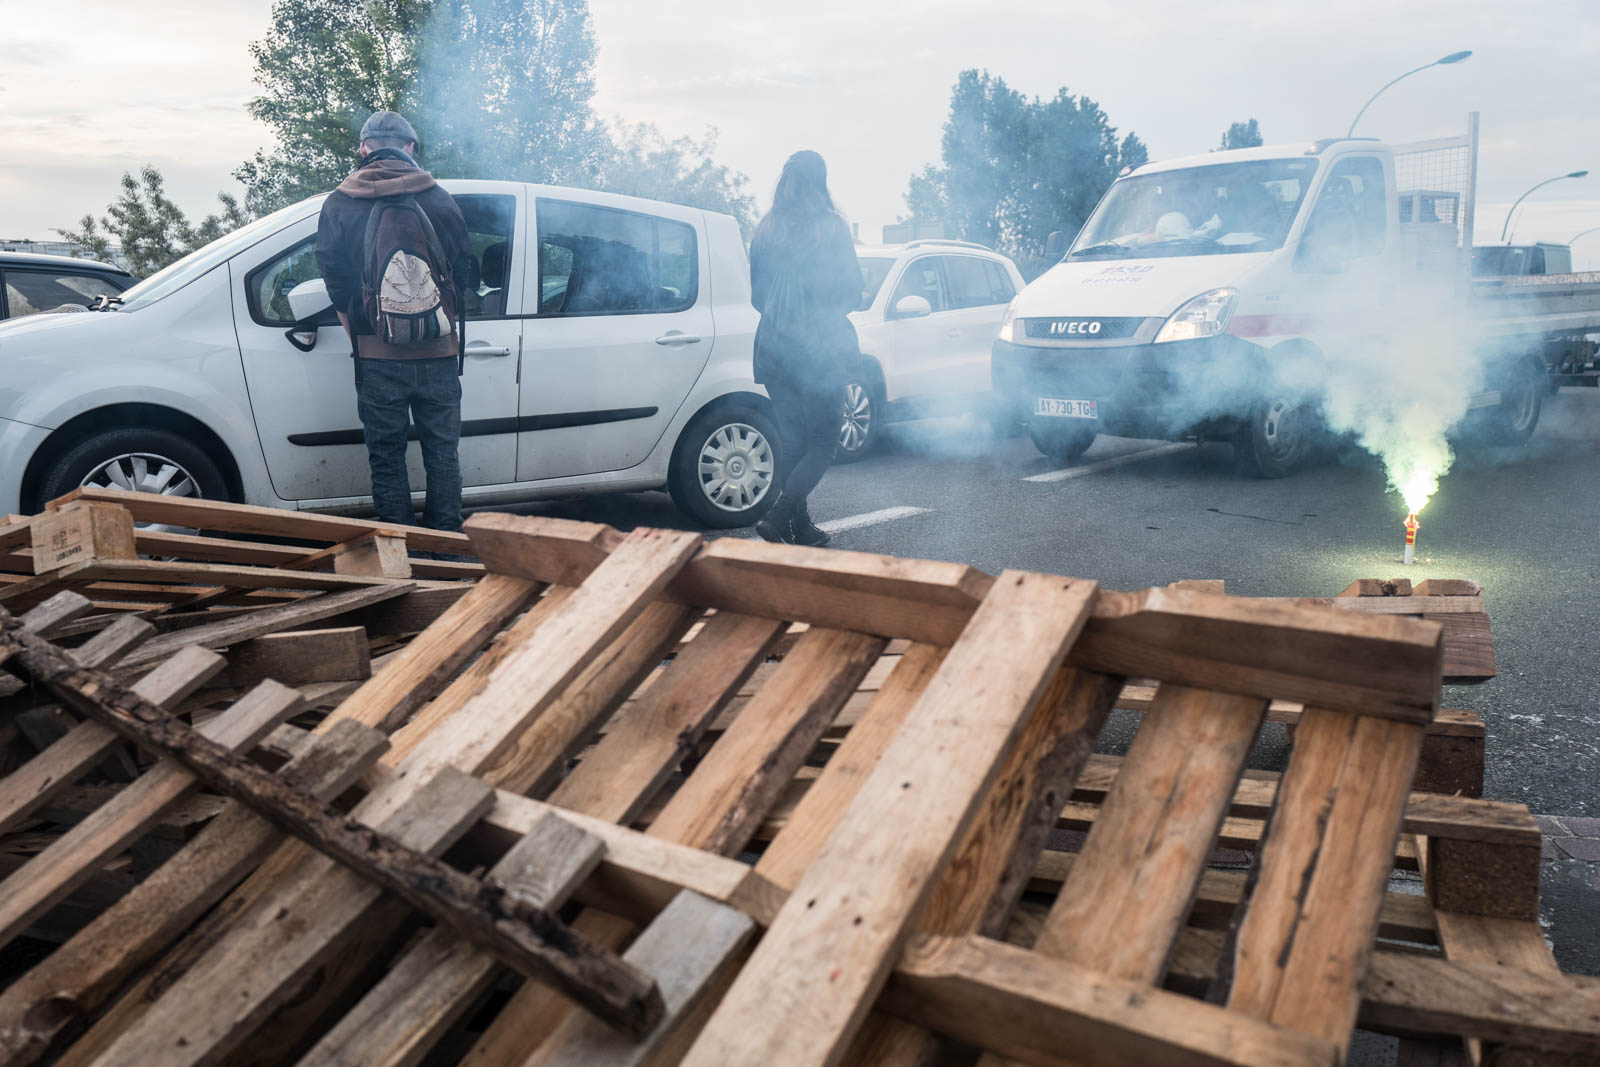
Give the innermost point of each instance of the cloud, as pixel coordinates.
(768, 81)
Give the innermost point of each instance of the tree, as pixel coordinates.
(152, 230)
(1241, 135)
(640, 161)
(1014, 169)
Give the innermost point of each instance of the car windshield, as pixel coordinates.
(873, 271)
(1499, 261)
(1212, 210)
(170, 279)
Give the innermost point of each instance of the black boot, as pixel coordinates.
(777, 525)
(807, 532)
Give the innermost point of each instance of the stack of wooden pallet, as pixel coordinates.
(758, 884)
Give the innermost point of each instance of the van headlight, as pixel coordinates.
(1008, 326)
(1205, 316)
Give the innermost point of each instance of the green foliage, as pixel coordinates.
(1014, 169)
(642, 162)
(152, 230)
(1241, 135)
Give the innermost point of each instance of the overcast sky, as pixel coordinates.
(89, 89)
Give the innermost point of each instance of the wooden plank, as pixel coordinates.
(72, 983)
(1378, 587)
(821, 808)
(81, 531)
(209, 580)
(197, 513)
(57, 767)
(686, 949)
(122, 636)
(1035, 1009)
(1131, 888)
(1468, 644)
(645, 741)
(812, 978)
(1484, 878)
(378, 553)
(557, 551)
(73, 857)
(212, 1008)
(428, 988)
(232, 631)
(56, 611)
(1269, 649)
(1409, 605)
(300, 658)
(723, 802)
(1448, 587)
(1303, 940)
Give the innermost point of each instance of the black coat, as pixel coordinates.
(805, 283)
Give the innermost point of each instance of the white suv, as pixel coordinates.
(930, 311)
(611, 352)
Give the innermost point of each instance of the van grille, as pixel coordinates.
(1069, 328)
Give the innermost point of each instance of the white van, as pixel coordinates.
(576, 380)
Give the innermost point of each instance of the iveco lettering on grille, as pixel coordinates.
(1084, 326)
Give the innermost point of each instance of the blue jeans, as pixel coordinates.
(391, 395)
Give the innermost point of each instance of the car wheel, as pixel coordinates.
(862, 423)
(137, 459)
(1061, 443)
(1512, 421)
(1277, 438)
(724, 467)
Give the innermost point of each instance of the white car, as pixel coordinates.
(610, 354)
(930, 311)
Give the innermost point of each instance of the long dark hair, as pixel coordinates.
(801, 205)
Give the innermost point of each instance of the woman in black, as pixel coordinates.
(805, 280)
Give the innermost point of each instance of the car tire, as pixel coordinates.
(1063, 444)
(144, 459)
(862, 424)
(1277, 438)
(725, 466)
(1512, 421)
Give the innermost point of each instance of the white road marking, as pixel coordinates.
(870, 518)
(1107, 464)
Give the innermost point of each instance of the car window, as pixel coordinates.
(605, 261)
(1001, 290)
(967, 282)
(29, 292)
(490, 231)
(1349, 219)
(921, 278)
(874, 269)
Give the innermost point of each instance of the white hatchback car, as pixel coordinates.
(930, 311)
(608, 349)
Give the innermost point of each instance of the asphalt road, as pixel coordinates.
(1524, 522)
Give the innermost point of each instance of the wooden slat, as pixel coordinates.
(810, 981)
(1302, 943)
(335, 655)
(72, 983)
(74, 855)
(723, 802)
(213, 575)
(1468, 644)
(1044, 1011)
(214, 1006)
(1448, 587)
(428, 987)
(1378, 587)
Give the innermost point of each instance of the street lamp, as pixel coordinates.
(1443, 61)
(1581, 233)
(1524, 196)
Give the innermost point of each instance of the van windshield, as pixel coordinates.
(1231, 207)
(175, 276)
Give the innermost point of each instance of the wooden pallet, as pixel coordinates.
(863, 916)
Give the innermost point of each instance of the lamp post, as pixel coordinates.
(1442, 61)
(1524, 196)
(1581, 233)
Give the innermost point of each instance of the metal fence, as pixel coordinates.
(1437, 181)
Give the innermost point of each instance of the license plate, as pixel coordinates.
(1067, 409)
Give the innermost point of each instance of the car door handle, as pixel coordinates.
(484, 348)
(673, 337)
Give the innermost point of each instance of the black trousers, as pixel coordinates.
(809, 417)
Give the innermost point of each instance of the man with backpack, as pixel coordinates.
(392, 246)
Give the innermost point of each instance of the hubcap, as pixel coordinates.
(857, 417)
(1281, 428)
(736, 467)
(1522, 399)
(143, 472)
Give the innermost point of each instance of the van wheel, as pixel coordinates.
(1511, 422)
(1277, 438)
(1064, 444)
(138, 460)
(724, 466)
(862, 424)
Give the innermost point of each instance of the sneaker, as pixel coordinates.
(807, 532)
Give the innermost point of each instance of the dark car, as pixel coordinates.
(32, 283)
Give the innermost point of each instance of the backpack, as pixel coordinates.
(408, 289)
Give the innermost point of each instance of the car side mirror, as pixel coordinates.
(312, 310)
(1055, 245)
(912, 306)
